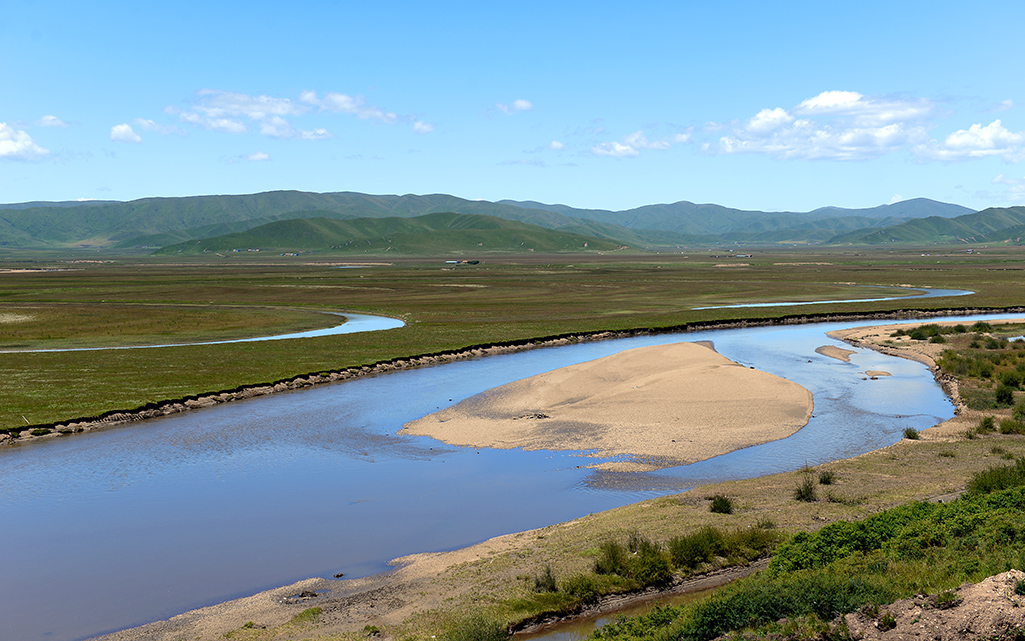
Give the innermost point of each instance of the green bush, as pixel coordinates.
(651, 565)
(998, 478)
(911, 434)
(721, 504)
(612, 559)
(646, 562)
(1019, 411)
(826, 477)
(1011, 426)
(1004, 395)
(690, 551)
(986, 425)
(583, 587)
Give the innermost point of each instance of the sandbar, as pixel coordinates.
(653, 407)
(833, 351)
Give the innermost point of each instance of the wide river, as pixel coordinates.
(112, 529)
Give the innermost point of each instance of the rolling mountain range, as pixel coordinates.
(441, 233)
(150, 223)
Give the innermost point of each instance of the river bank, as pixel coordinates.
(32, 432)
(426, 591)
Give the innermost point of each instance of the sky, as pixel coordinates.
(775, 106)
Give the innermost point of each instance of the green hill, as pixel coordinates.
(996, 224)
(432, 234)
(155, 222)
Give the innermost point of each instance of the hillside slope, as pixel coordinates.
(431, 234)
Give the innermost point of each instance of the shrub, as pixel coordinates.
(651, 565)
(39, 431)
(826, 477)
(691, 550)
(1019, 587)
(612, 559)
(1019, 411)
(1004, 395)
(986, 425)
(583, 587)
(546, 581)
(937, 339)
(911, 434)
(1011, 426)
(1010, 378)
(997, 478)
(805, 491)
(721, 504)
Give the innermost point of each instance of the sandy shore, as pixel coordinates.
(657, 406)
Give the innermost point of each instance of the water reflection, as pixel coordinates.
(927, 292)
(354, 323)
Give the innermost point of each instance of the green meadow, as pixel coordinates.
(53, 302)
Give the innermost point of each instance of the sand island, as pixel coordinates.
(655, 407)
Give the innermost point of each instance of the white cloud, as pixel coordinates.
(555, 145)
(227, 125)
(342, 103)
(834, 125)
(149, 125)
(768, 119)
(51, 121)
(896, 199)
(270, 116)
(865, 111)
(683, 138)
(978, 141)
(518, 105)
(15, 144)
(124, 133)
(831, 101)
(256, 156)
(614, 149)
(1004, 105)
(637, 140)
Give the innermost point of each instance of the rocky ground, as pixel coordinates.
(992, 609)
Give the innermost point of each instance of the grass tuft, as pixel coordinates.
(805, 491)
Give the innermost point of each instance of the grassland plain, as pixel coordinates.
(96, 300)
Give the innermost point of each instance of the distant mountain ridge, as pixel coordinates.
(158, 222)
(430, 234)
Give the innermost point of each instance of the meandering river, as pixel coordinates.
(117, 528)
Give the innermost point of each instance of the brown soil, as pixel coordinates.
(989, 610)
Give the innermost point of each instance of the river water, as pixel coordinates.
(112, 529)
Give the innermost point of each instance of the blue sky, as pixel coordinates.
(756, 105)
